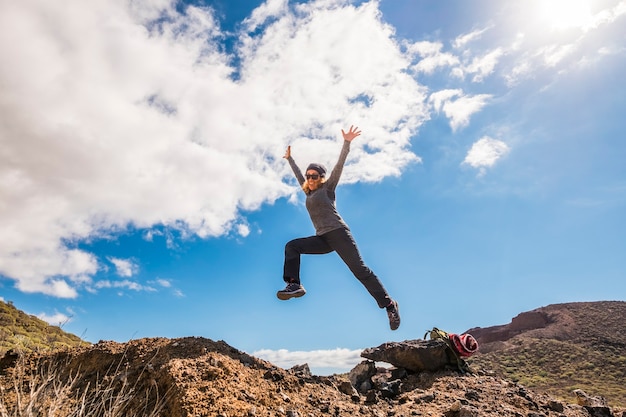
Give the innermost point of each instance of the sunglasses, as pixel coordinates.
(312, 176)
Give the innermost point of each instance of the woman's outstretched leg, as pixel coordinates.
(291, 270)
(343, 243)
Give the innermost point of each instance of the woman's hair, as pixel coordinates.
(305, 186)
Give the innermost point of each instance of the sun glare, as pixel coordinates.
(565, 14)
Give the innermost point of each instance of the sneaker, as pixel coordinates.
(293, 289)
(393, 312)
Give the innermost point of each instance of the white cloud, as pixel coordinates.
(243, 230)
(123, 284)
(339, 358)
(124, 267)
(424, 48)
(552, 55)
(457, 106)
(485, 152)
(56, 319)
(163, 282)
(484, 65)
(267, 10)
(439, 98)
(431, 57)
(462, 40)
(116, 113)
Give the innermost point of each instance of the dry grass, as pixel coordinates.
(47, 389)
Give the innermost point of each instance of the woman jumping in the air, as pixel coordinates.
(331, 232)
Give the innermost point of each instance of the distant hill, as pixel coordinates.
(560, 348)
(25, 333)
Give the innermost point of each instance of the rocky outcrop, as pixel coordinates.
(521, 323)
(413, 355)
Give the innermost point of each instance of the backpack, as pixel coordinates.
(462, 346)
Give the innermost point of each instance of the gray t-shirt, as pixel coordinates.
(321, 202)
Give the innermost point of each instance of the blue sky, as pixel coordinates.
(143, 191)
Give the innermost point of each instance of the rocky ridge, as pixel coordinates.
(200, 377)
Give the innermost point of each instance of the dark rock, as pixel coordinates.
(365, 386)
(398, 373)
(387, 382)
(413, 355)
(599, 411)
(472, 395)
(9, 359)
(468, 412)
(273, 375)
(302, 371)
(426, 398)
(347, 388)
(390, 389)
(360, 376)
(555, 406)
(371, 397)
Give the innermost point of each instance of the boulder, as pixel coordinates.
(360, 376)
(303, 371)
(584, 399)
(347, 388)
(413, 355)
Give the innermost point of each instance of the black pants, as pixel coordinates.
(342, 242)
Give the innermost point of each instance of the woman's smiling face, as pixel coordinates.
(313, 179)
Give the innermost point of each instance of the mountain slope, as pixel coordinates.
(22, 332)
(559, 348)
